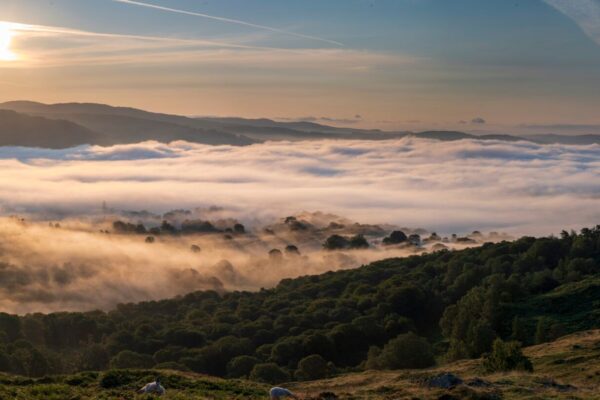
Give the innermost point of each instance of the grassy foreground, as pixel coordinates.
(568, 368)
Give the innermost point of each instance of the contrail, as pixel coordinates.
(19, 27)
(228, 20)
(585, 13)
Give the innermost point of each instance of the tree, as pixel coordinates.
(405, 351)
(358, 242)
(396, 237)
(336, 242)
(130, 359)
(241, 366)
(275, 255)
(291, 249)
(239, 229)
(506, 356)
(94, 358)
(541, 330)
(414, 239)
(11, 325)
(469, 323)
(519, 330)
(312, 368)
(269, 373)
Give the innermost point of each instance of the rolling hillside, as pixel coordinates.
(107, 125)
(32, 131)
(568, 368)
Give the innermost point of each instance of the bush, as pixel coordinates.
(405, 351)
(130, 359)
(115, 378)
(336, 242)
(358, 242)
(241, 366)
(94, 358)
(395, 237)
(506, 356)
(311, 368)
(269, 373)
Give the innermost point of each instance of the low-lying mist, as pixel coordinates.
(62, 252)
(520, 187)
(83, 264)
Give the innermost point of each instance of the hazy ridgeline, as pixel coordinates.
(55, 266)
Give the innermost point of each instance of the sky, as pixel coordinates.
(392, 64)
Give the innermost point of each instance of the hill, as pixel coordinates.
(447, 304)
(31, 131)
(119, 125)
(568, 368)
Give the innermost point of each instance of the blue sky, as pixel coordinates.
(395, 63)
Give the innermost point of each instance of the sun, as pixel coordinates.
(6, 36)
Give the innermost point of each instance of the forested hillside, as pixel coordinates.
(453, 303)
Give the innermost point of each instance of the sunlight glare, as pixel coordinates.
(6, 36)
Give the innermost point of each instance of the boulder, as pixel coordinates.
(443, 381)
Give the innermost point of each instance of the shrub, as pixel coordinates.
(395, 237)
(241, 366)
(506, 356)
(115, 378)
(130, 359)
(336, 242)
(269, 373)
(311, 368)
(405, 351)
(358, 242)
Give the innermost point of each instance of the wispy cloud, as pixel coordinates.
(51, 46)
(228, 20)
(585, 13)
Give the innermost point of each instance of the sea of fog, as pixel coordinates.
(519, 188)
(446, 187)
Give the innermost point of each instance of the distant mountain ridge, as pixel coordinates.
(31, 131)
(32, 124)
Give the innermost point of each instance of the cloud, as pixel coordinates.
(478, 120)
(461, 186)
(46, 268)
(442, 186)
(50, 46)
(227, 20)
(585, 13)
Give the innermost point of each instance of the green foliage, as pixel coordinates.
(542, 331)
(395, 237)
(241, 366)
(131, 359)
(337, 242)
(311, 368)
(506, 356)
(460, 301)
(406, 351)
(269, 373)
(470, 324)
(115, 378)
(358, 242)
